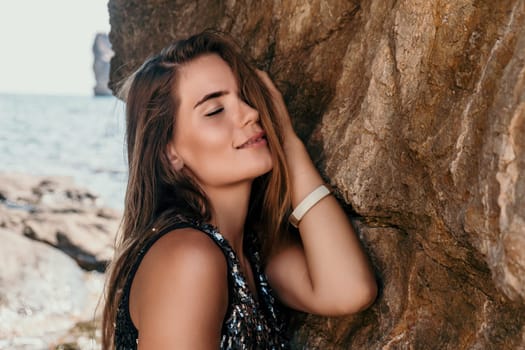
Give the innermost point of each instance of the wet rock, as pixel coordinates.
(414, 111)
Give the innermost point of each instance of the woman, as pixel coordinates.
(214, 170)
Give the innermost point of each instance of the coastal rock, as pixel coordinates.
(102, 53)
(43, 293)
(52, 231)
(55, 211)
(415, 111)
(86, 237)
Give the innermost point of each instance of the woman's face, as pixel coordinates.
(217, 135)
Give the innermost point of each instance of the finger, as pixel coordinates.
(261, 72)
(267, 81)
(264, 76)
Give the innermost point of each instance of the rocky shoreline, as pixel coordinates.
(56, 242)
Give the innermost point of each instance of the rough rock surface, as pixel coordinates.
(43, 293)
(415, 111)
(54, 210)
(102, 53)
(52, 231)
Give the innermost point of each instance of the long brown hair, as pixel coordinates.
(156, 194)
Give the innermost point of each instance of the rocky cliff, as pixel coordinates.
(415, 111)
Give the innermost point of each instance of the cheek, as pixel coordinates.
(204, 148)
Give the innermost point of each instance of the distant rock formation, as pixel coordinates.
(102, 56)
(415, 111)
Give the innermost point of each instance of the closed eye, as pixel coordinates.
(217, 111)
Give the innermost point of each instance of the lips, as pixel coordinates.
(255, 139)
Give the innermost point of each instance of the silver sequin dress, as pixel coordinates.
(249, 323)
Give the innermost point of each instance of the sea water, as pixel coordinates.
(77, 136)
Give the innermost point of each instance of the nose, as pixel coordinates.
(247, 114)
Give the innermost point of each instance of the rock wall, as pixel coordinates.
(415, 111)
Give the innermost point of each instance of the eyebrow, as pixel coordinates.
(210, 96)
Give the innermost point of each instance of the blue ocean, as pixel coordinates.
(77, 136)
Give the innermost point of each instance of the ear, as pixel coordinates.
(174, 158)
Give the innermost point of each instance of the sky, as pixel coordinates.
(46, 45)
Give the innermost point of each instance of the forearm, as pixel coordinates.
(336, 263)
(329, 273)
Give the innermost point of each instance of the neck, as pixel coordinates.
(229, 211)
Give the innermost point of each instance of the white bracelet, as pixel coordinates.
(306, 204)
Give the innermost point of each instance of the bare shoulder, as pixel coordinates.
(185, 251)
(180, 289)
(183, 246)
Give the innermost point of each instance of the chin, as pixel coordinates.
(267, 167)
(260, 171)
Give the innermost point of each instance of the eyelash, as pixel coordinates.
(217, 111)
